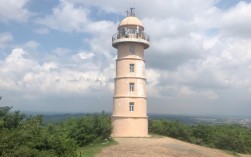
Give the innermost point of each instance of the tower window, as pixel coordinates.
(131, 67)
(131, 106)
(132, 49)
(131, 86)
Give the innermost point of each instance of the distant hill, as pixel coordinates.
(60, 117)
(191, 120)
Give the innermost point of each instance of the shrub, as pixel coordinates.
(88, 129)
(228, 137)
(28, 137)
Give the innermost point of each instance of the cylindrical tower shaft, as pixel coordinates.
(129, 117)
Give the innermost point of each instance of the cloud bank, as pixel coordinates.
(199, 61)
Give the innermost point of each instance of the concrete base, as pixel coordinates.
(129, 126)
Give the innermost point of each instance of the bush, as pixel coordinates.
(88, 129)
(28, 137)
(228, 137)
(170, 128)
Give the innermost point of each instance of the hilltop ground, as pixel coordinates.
(160, 147)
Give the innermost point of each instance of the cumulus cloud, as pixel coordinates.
(66, 17)
(42, 30)
(69, 17)
(220, 70)
(5, 39)
(14, 10)
(21, 72)
(31, 45)
(237, 20)
(159, 8)
(199, 57)
(84, 55)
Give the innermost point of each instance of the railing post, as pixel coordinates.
(131, 35)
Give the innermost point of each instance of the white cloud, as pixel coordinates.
(49, 66)
(5, 39)
(31, 45)
(199, 53)
(14, 10)
(69, 17)
(42, 30)
(153, 77)
(20, 72)
(13, 68)
(224, 66)
(237, 20)
(66, 17)
(159, 8)
(84, 55)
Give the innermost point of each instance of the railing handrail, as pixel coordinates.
(119, 35)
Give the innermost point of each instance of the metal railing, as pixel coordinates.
(143, 36)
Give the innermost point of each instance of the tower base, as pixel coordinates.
(129, 126)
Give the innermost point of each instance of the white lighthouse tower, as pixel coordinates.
(129, 118)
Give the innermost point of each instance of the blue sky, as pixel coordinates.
(56, 56)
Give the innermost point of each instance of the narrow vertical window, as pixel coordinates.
(131, 68)
(132, 49)
(131, 86)
(131, 106)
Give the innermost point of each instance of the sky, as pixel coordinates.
(56, 56)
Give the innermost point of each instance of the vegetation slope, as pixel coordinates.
(22, 136)
(228, 137)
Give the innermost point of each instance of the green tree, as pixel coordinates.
(228, 137)
(90, 129)
(28, 137)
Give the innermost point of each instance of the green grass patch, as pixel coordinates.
(93, 149)
(231, 153)
(156, 136)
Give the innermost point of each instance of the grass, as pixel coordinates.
(93, 149)
(156, 136)
(231, 153)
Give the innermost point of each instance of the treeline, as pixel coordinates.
(22, 136)
(228, 137)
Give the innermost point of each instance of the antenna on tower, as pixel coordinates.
(132, 12)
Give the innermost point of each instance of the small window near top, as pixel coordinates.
(132, 49)
(131, 87)
(131, 68)
(131, 106)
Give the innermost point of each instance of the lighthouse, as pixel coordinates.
(129, 117)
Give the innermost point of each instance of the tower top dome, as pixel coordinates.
(131, 20)
(131, 30)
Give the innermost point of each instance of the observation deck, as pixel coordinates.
(141, 38)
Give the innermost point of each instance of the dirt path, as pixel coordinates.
(159, 147)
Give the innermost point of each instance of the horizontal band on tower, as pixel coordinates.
(130, 59)
(130, 77)
(121, 116)
(117, 41)
(119, 97)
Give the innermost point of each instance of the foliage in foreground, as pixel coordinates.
(29, 137)
(89, 129)
(227, 137)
